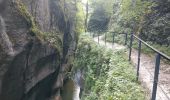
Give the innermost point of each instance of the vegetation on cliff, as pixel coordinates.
(52, 38)
(49, 37)
(109, 76)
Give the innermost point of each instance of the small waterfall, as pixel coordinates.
(76, 92)
(73, 87)
(79, 84)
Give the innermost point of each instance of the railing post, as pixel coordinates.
(125, 38)
(156, 75)
(113, 37)
(98, 37)
(130, 47)
(139, 53)
(105, 38)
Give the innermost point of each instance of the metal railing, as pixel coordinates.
(158, 57)
(157, 63)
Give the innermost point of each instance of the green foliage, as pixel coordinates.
(109, 76)
(135, 9)
(80, 19)
(106, 4)
(100, 16)
(129, 15)
(98, 20)
(146, 17)
(28, 17)
(120, 39)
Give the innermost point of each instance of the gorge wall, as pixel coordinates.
(37, 44)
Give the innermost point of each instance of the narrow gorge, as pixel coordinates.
(84, 49)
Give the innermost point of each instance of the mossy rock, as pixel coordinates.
(34, 30)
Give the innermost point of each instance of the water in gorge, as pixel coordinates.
(73, 87)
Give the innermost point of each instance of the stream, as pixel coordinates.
(73, 87)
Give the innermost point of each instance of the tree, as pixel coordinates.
(100, 16)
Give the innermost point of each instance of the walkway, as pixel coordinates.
(147, 71)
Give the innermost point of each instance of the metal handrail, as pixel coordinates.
(157, 63)
(154, 49)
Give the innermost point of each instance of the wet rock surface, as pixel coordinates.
(31, 69)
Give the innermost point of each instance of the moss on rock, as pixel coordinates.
(55, 41)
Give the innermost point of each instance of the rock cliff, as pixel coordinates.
(37, 44)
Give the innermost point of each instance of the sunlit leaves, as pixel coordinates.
(129, 14)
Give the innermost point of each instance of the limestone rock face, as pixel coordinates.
(30, 68)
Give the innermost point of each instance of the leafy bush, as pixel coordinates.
(149, 18)
(109, 76)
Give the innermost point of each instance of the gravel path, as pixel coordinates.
(147, 71)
